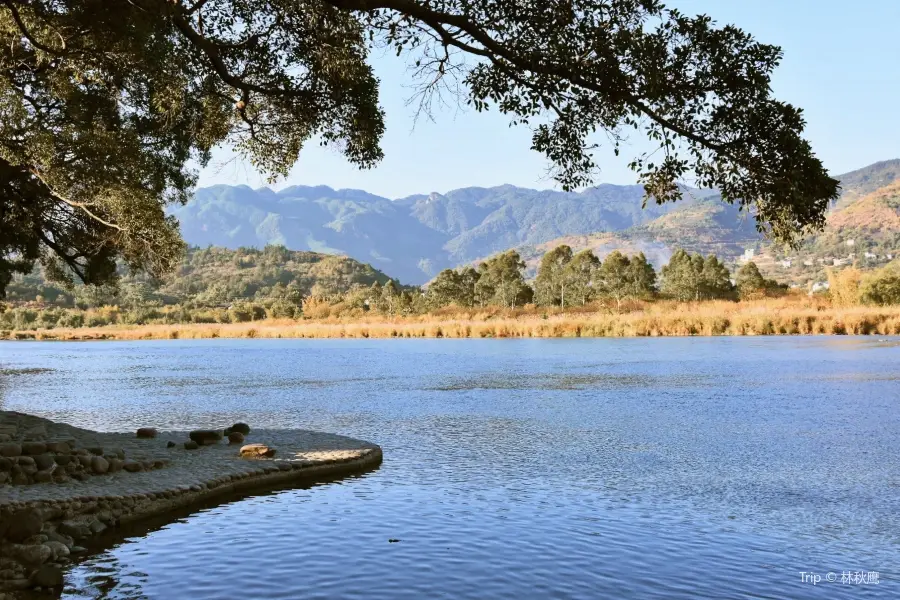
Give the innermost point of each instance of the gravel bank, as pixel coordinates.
(42, 523)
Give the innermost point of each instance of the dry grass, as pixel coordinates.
(794, 315)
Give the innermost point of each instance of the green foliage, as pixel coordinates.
(502, 281)
(103, 106)
(583, 273)
(554, 277)
(688, 277)
(882, 287)
(750, 283)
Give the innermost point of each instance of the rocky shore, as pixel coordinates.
(60, 485)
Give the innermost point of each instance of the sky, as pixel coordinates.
(840, 65)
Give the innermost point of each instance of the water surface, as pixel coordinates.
(618, 468)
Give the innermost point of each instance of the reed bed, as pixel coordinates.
(786, 316)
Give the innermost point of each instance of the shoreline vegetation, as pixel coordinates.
(788, 315)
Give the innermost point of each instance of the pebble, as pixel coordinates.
(257, 451)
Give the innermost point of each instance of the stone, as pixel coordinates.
(74, 529)
(59, 447)
(33, 448)
(5, 464)
(59, 549)
(5, 437)
(99, 465)
(85, 460)
(33, 555)
(22, 525)
(47, 576)
(235, 437)
(241, 428)
(257, 451)
(43, 477)
(191, 445)
(44, 461)
(4, 477)
(116, 465)
(170, 444)
(206, 436)
(63, 459)
(25, 461)
(119, 452)
(147, 432)
(133, 466)
(78, 550)
(10, 449)
(97, 527)
(96, 451)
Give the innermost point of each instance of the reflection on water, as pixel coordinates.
(663, 468)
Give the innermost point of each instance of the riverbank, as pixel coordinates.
(787, 316)
(95, 481)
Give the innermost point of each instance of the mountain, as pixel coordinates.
(864, 221)
(412, 238)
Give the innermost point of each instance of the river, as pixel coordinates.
(607, 468)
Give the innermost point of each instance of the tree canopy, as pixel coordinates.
(106, 108)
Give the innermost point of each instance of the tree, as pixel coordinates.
(716, 279)
(390, 296)
(446, 288)
(612, 277)
(553, 277)
(882, 287)
(641, 276)
(105, 106)
(583, 273)
(502, 281)
(750, 283)
(688, 277)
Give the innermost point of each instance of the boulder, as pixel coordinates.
(133, 466)
(170, 444)
(22, 525)
(96, 451)
(43, 477)
(99, 465)
(44, 461)
(63, 459)
(59, 549)
(116, 465)
(10, 449)
(240, 428)
(47, 576)
(74, 529)
(191, 445)
(235, 437)
(32, 448)
(5, 463)
(33, 554)
(147, 432)
(59, 447)
(97, 526)
(206, 436)
(257, 451)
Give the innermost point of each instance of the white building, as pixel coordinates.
(850, 242)
(747, 256)
(870, 256)
(786, 263)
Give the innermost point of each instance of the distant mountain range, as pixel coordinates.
(413, 238)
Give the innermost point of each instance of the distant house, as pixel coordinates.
(889, 256)
(819, 286)
(747, 256)
(840, 262)
(850, 242)
(809, 263)
(786, 263)
(870, 256)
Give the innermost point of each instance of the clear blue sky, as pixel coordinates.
(840, 65)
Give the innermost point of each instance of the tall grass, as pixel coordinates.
(793, 315)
